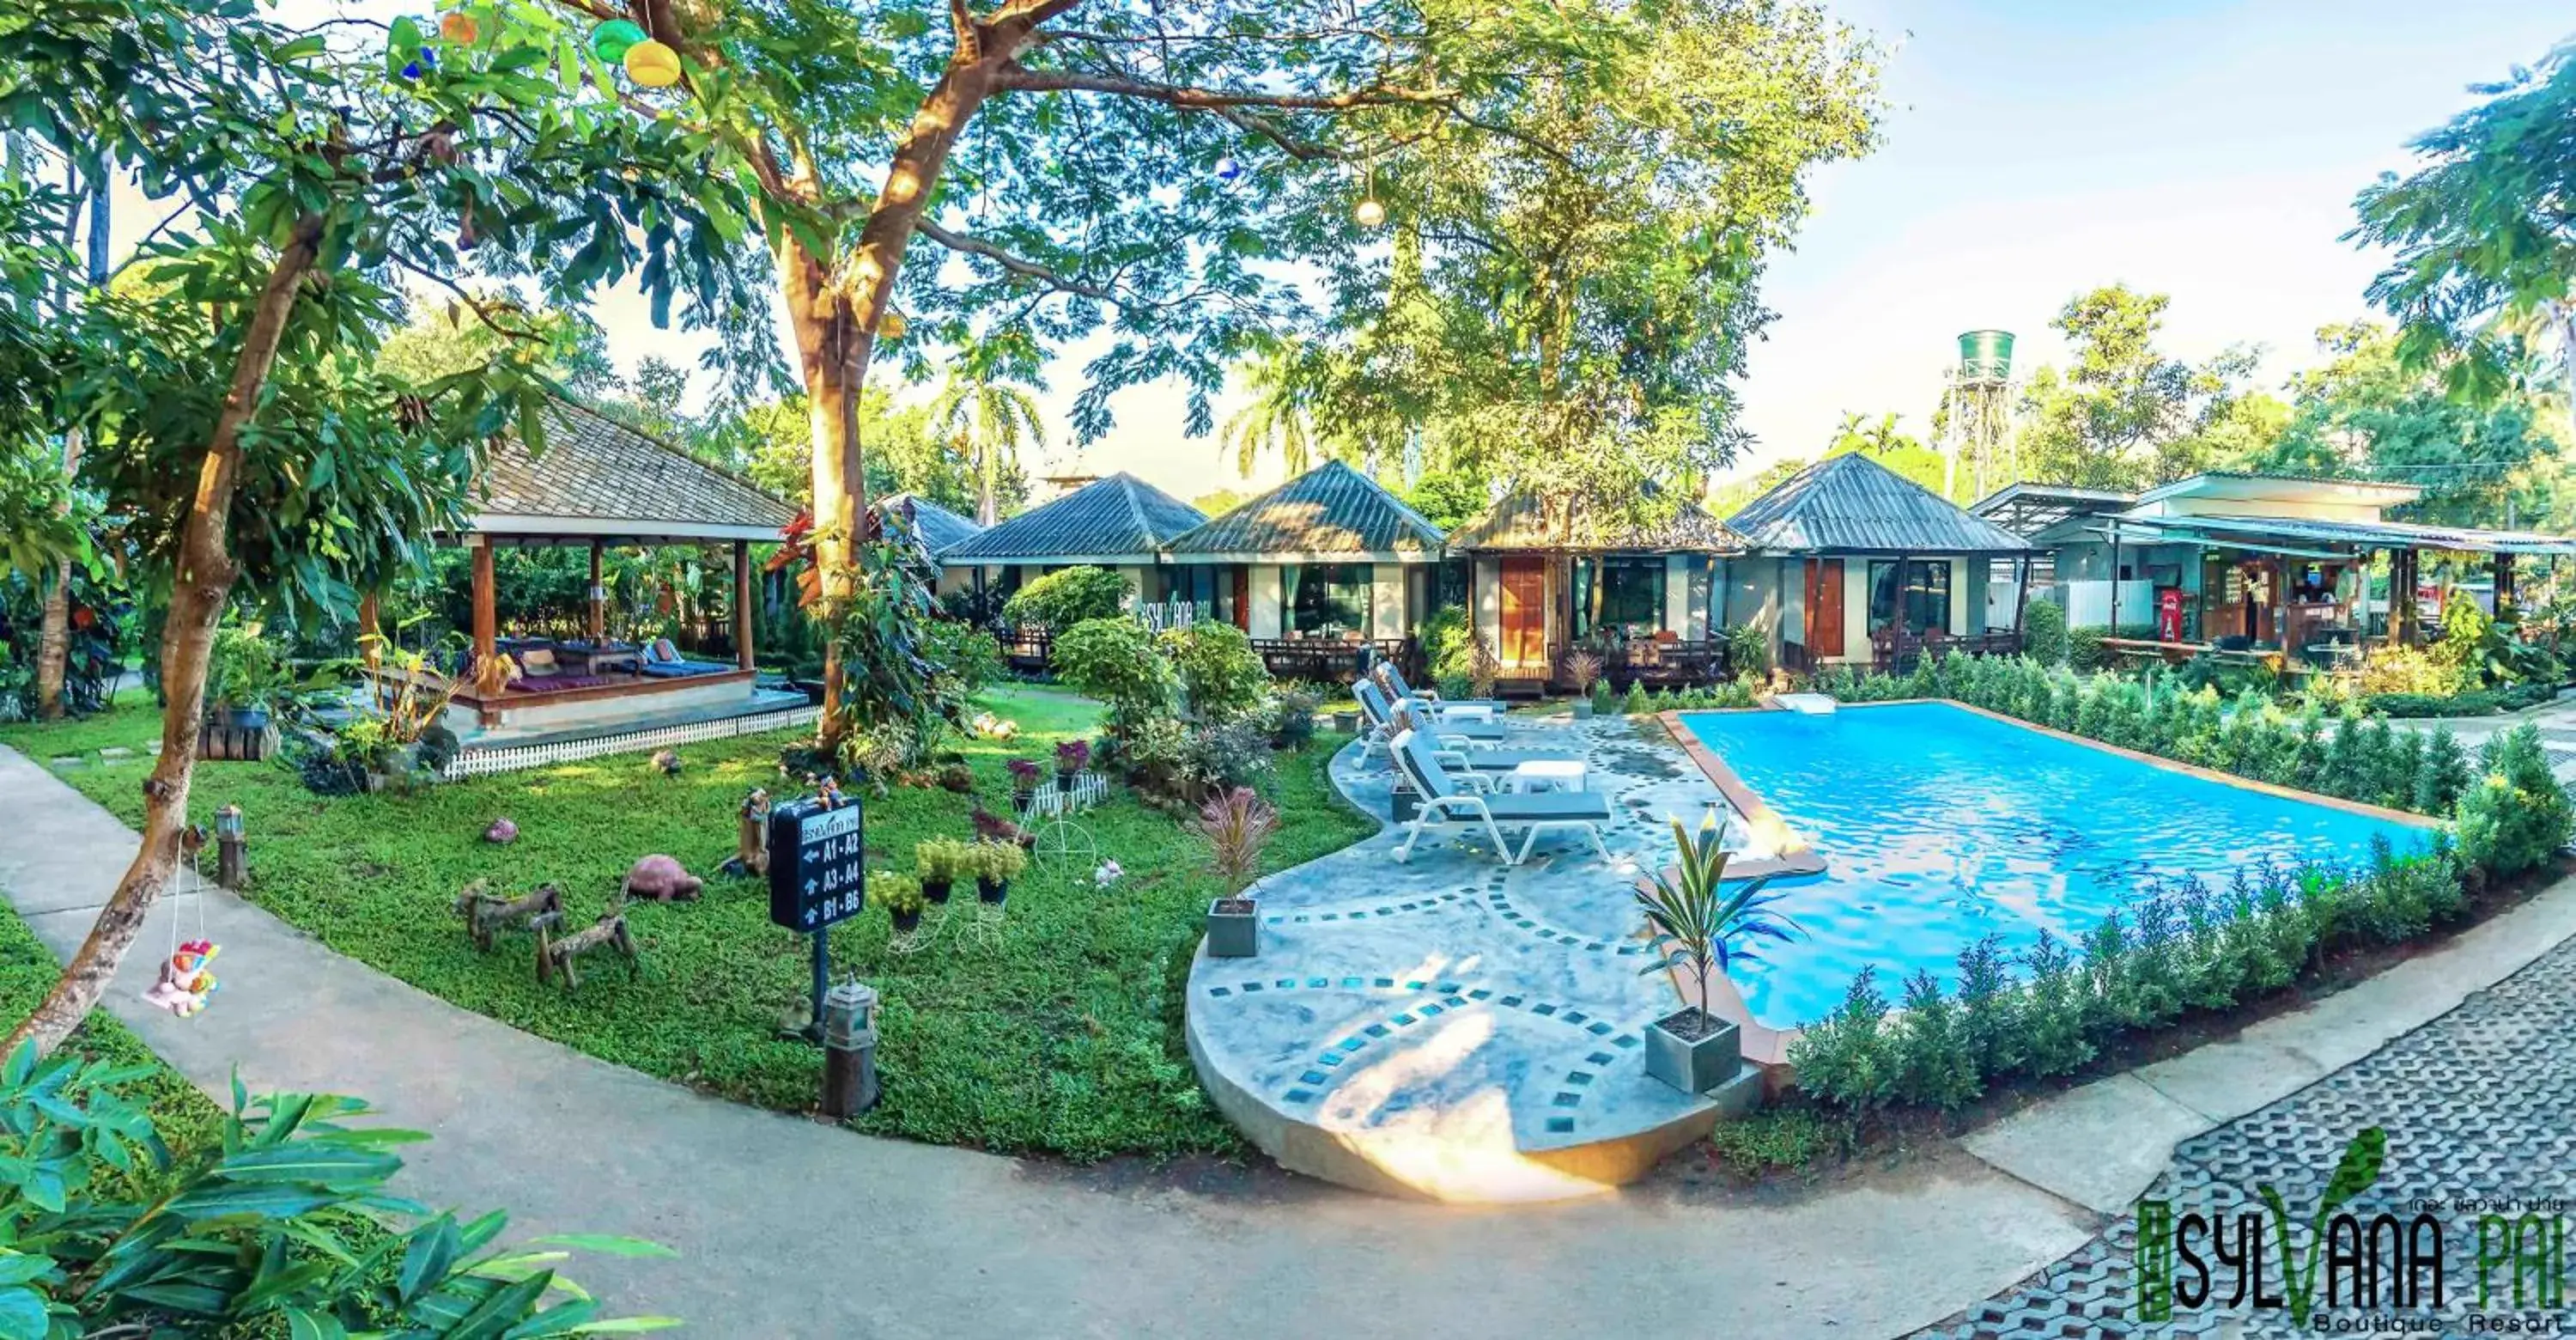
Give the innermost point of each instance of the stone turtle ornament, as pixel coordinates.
(662, 879)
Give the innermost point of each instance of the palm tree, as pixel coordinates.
(991, 420)
(1280, 415)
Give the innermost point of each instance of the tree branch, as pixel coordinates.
(1021, 78)
(472, 304)
(1018, 265)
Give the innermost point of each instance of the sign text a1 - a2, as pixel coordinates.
(817, 864)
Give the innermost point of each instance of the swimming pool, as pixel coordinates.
(1939, 825)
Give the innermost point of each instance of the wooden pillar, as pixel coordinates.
(598, 602)
(2021, 597)
(742, 603)
(487, 624)
(2401, 597)
(2504, 595)
(2115, 580)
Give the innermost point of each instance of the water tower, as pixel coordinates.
(1977, 401)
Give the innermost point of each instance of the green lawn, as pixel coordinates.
(1060, 1037)
(186, 1118)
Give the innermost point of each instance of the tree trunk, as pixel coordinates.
(53, 651)
(198, 590)
(834, 311)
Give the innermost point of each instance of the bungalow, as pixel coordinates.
(1327, 560)
(2243, 562)
(938, 529)
(1854, 562)
(1542, 583)
(1120, 522)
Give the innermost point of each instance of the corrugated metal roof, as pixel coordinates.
(1331, 509)
(2366, 534)
(1850, 503)
(939, 527)
(1121, 517)
(1521, 522)
(596, 469)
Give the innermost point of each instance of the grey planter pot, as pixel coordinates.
(1233, 933)
(1693, 1065)
(1346, 722)
(1583, 709)
(1403, 803)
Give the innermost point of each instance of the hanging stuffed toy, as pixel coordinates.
(185, 981)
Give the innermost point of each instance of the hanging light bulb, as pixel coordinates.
(610, 40)
(1370, 213)
(652, 64)
(1228, 169)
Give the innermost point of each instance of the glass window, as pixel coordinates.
(1327, 599)
(1627, 596)
(1921, 594)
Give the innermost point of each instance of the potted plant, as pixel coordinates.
(1237, 825)
(901, 895)
(245, 678)
(996, 864)
(1698, 926)
(1582, 670)
(938, 864)
(1071, 757)
(1024, 780)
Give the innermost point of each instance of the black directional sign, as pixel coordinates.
(817, 863)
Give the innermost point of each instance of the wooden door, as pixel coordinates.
(1524, 612)
(1824, 607)
(1243, 597)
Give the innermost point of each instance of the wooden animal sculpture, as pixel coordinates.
(751, 841)
(662, 879)
(559, 957)
(486, 912)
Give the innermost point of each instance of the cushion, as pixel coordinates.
(537, 663)
(660, 651)
(1550, 805)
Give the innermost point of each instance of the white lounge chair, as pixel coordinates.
(1392, 680)
(1450, 800)
(1383, 726)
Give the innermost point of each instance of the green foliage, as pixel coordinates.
(1448, 648)
(1221, 676)
(897, 892)
(1748, 650)
(2044, 632)
(888, 632)
(2182, 948)
(2124, 414)
(1116, 661)
(287, 1196)
(2442, 774)
(1052, 1042)
(2084, 649)
(245, 671)
(1068, 596)
(1783, 1137)
(1635, 703)
(2514, 816)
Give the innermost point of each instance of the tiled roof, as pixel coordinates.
(939, 527)
(1520, 522)
(1331, 509)
(1852, 503)
(607, 478)
(1118, 517)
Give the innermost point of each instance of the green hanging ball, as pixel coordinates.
(610, 40)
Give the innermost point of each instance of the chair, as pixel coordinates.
(1392, 680)
(1450, 800)
(1383, 726)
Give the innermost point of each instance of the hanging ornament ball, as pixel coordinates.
(428, 59)
(459, 29)
(411, 71)
(892, 327)
(652, 64)
(1227, 169)
(610, 40)
(1370, 214)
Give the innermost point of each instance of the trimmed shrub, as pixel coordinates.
(1115, 660)
(2084, 649)
(2043, 632)
(2442, 774)
(1848, 1058)
(1069, 596)
(1221, 676)
(1935, 1065)
(2515, 816)
(1448, 650)
(1635, 703)
(1748, 650)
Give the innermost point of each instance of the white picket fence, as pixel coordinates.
(472, 762)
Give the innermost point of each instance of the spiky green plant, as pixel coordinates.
(1695, 924)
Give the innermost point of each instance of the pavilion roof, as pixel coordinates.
(1331, 511)
(599, 478)
(1120, 519)
(1522, 521)
(1852, 504)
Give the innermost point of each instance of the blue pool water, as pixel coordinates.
(1939, 826)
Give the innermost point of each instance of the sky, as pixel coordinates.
(2032, 149)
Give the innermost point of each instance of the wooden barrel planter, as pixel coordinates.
(217, 742)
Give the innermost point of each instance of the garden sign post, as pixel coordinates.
(817, 876)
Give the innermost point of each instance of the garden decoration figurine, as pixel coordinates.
(666, 762)
(751, 837)
(501, 832)
(185, 982)
(986, 726)
(1106, 874)
(662, 879)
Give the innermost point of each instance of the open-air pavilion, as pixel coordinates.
(598, 485)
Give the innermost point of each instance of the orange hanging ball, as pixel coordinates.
(459, 29)
(652, 64)
(892, 327)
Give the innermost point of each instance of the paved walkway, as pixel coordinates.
(791, 1228)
